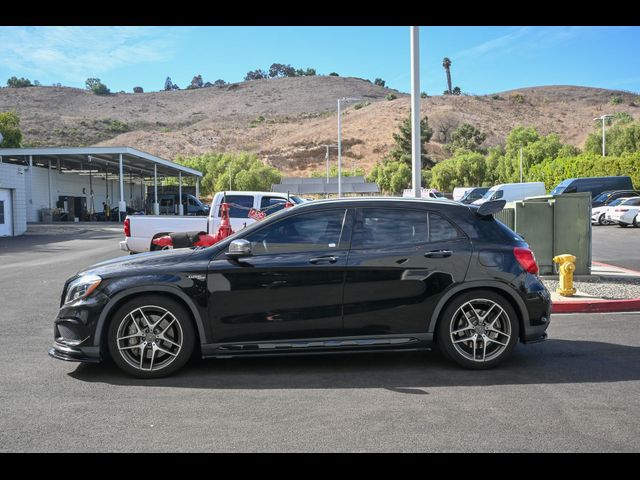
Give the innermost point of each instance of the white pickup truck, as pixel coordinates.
(140, 230)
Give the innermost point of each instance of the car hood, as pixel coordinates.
(150, 260)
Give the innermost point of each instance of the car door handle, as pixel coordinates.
(438, 253)
(328, 259)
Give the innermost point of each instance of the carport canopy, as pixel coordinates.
(101, 162)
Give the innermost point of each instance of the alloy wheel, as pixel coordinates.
(149, 338)
(480, 330)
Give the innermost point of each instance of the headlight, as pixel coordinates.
(82, 287)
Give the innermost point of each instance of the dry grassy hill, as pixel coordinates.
(286, 121)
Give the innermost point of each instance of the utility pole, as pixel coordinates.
(603, 118)
(416, 164)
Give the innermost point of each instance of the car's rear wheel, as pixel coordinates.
(601, 220)
(636, 221)
(478, 329)
(151, 336)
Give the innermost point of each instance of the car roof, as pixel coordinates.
(357, 201)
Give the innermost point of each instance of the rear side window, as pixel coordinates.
(441, 229)
(240, 205)
(634, 202)
(378, 227)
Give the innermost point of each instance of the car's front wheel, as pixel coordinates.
(601, 220)
(478, 329)
(151, 336)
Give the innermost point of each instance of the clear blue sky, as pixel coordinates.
(485, 59)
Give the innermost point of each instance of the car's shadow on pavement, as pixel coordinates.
(554, 361)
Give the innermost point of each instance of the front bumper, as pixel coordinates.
(75, 354)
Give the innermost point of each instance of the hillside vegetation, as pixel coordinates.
(287, 121)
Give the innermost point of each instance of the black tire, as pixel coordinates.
(508, 321)
(636, 221)
(180, 331)
(601, 220)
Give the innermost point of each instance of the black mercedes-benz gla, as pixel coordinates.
(329, 276)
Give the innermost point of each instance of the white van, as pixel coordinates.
(460, 192)
(512, 192)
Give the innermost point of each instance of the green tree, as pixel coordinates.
(466, 137)
(401, 152)
(243, 171)
(391, 176)
(623, 137)
(96, 86)
(10, 129)
(333, 172)
(380, 82)
(15, 82)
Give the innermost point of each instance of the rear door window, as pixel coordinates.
(240, 205)
(386, 227)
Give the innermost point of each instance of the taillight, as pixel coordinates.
(526, 259)
(127, 227)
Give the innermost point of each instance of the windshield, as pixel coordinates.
(493, 194)
(617, 201)
(561, 187)
(602, 197)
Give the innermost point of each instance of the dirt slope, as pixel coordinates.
(287, 121)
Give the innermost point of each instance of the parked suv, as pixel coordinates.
(330, 276)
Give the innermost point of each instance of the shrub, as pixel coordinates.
(456, 91)
(496, 97)
(380, 82)
(219, 83)
(333, 74)
(517, 98)
(616, 100)
(138, 90)
(423, 95)
(360, 105)
(116, 126)
(15, 82)
(391, 96)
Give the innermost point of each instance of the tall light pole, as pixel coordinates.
(343, 99)
(326, 158)
(416, 163)
(603, 118)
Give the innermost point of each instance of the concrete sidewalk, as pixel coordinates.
(603, 278)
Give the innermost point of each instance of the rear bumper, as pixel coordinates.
(124, 247)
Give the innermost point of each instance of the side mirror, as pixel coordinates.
(238, 249)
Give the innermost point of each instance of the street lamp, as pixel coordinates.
(343, 99)
(326, 157)
(603, 118)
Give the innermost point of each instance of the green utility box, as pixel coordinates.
(554, 226)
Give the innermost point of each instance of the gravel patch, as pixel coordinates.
(610, 288)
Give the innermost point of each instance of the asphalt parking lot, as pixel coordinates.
(579, 391)
(617, 246)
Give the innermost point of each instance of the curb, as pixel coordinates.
(627, 270)
(597, 306)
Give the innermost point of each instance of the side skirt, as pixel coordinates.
(378, 343)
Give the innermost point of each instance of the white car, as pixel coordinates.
(626, 213)
(599, 214)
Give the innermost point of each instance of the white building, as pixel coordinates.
(39, 184)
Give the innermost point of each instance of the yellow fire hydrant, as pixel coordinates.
(567, 267)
